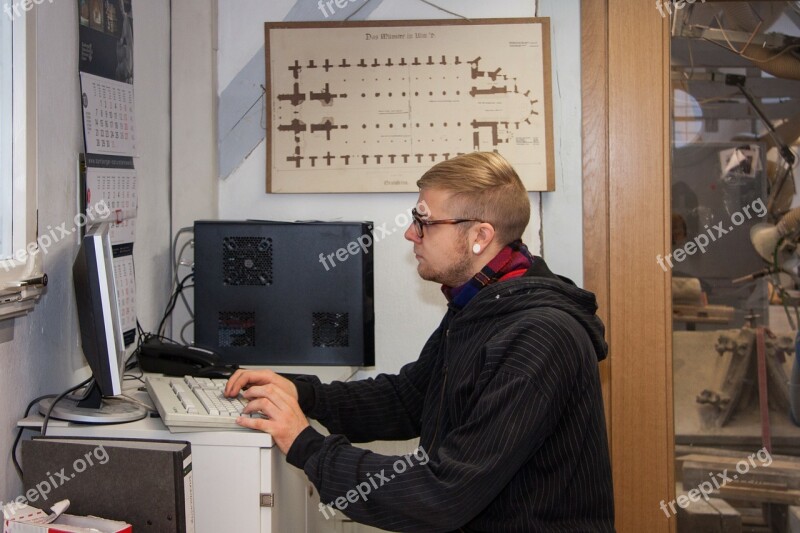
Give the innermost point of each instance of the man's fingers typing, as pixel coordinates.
(261, 424)
(263, 406)
(242, 379)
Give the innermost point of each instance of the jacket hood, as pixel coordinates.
(539, 288)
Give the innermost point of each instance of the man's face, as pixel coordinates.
(443, 252)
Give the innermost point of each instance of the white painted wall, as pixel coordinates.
(194, 141)
(407, 308)
(44, 356)
(562, 210)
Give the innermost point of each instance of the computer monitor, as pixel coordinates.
(101, 337)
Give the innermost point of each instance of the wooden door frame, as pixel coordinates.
(626, 202)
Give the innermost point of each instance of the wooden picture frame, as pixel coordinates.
(370, 106)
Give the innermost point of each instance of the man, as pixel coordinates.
(505, 396)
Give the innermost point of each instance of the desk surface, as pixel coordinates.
(232, 469)
(154, 428)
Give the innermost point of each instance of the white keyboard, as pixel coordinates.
(195, 402)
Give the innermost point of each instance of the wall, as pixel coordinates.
(407, 308)
(44, 355)
(562, 210)
(194, 157)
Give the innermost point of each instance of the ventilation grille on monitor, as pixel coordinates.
(246, 261)
(330, 330)
(237, 329)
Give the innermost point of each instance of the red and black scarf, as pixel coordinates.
(512, 262)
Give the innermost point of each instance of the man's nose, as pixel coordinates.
(411, 234)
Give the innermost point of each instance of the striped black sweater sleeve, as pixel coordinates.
(512, 415)
(442, 496)
(387, 407)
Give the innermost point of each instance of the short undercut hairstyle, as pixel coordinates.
(486, 187)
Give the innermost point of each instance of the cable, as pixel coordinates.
(730, 44)
(141, 336)
(181, 285)
(17, 466)
(126, 398)
(130, 377)
(174, 301)
(141, 332)
(186, 229)
(179, 288)
(183, 329)
(176, 261)
(171, 303)
(177, 266)
(733, 49)
(58, 399)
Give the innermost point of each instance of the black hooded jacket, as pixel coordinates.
(506, 400)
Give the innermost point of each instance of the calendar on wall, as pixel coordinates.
(108, 116)
(106, 74)
(126, 290)
(108, 174)
(111, 194)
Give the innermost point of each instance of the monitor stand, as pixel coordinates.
(92, 408)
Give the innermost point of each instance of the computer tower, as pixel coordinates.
(285, 293)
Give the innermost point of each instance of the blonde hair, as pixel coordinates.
(484, 186)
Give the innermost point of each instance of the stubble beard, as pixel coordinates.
(455, 275)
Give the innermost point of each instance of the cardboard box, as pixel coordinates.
(24, 519)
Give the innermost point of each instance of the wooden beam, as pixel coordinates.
(639, 226)
(594, 101)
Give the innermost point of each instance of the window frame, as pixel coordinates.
(17, 294)
(6, 137)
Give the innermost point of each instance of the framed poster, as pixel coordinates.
(370, 106)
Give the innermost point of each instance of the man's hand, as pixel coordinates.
(243, 379)
(285, 418)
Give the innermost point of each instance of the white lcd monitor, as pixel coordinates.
(101, 337)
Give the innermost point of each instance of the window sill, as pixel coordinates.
(18, 303)
(21, 287)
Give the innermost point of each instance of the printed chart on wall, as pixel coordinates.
(108, 176)
(370, 106)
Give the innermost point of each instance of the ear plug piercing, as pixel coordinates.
(476, 248)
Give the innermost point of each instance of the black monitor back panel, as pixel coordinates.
(264, 295)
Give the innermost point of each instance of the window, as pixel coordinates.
(20, 260)
(6, 140)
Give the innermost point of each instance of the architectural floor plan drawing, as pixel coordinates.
(369, 108)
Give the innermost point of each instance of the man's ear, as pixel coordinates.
(485, 235)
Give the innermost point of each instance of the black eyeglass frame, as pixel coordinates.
(420, 222)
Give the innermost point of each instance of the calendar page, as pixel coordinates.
(108, 116)
(126, 290)
(112, 192)
(108, 177)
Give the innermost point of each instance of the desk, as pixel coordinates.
(234, 470)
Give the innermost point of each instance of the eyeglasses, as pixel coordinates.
(420, 222)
